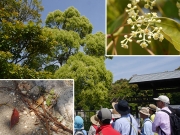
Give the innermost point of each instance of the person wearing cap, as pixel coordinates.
(79, 125)
(126, 124)
(147, 123)
(105, 116)
(95, 124)
(161, 124)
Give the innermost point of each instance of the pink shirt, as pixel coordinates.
(162, 119)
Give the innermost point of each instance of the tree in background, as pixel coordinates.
(121, 89)
(22, 39)
(71, 28)
(92, 80)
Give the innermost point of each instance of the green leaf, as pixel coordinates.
(48, 102)
(170, 30)
(52, 92)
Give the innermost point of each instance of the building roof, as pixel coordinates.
(159, 80)
(156, 76)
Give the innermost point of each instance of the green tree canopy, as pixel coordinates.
(73, 32)
(92, 80)
(69, 20)
(22, 38)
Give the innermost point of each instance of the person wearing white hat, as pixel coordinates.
(161, 124)
(147, 123)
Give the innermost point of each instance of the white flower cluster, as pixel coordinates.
(142, 26)
(178, 6)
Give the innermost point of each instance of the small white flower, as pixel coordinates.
(129, 21)
(129, 5)
(133, 27)
(154, 14)
(143, 44)
(146, 6)
(124, 46)
(140, 36)
(161, 37)
(138, 25)
(134, 34)
(158, 21)
(122, 42)
(155, 36)
(130, 40)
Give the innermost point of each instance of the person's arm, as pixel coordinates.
(148, 128)
(90, 132)
(156, 123)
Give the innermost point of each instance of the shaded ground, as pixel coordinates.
(29, 123)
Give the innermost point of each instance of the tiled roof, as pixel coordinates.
(155, 76)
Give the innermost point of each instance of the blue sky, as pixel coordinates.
(94, 10)
(126, 67)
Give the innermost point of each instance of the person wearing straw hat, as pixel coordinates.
(161, 124)
(126, 124)
(95, 124)
(105, 116)
(115, 116)
(147, 123)
(152, 111)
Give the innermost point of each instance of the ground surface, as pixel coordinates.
(29, 123)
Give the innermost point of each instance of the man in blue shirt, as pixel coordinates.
(147, 123)
(126, 124)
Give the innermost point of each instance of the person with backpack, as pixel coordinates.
(126, 124)
(147, 123)
(161, 124)
(79, 126)
(105, 116)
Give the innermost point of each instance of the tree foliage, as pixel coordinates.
(22, 39)
(73, 32)
(92, 80)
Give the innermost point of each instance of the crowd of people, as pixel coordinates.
(119, 121)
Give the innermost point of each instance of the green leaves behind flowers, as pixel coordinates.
(170, 31)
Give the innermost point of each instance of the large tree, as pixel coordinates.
(22, 38)
(92, 80)
(75, 32)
